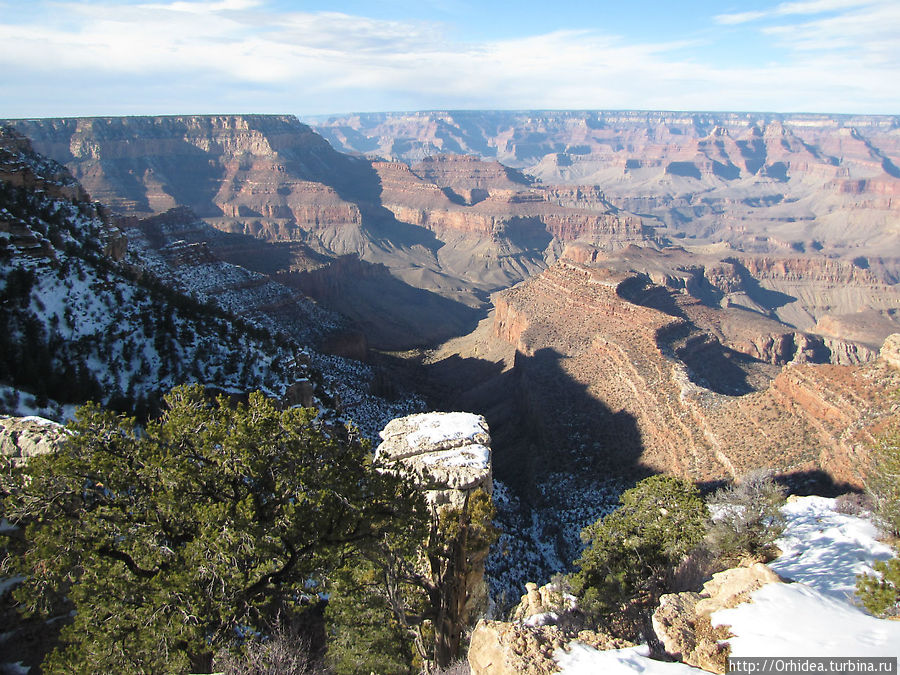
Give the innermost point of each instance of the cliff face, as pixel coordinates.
(478, 198)
(457, 227)
(252, 172)
(642, 371)
(763, 182)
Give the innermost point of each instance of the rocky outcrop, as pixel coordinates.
(890, 351)
(682, 622)
(542, 605)
(466, 195)
(448, 453)
(657, 379)
(503, 648)
(498, 648)
(24, 437)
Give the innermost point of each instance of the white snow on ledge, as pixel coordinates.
(475, 456)
(823, 551)
(435, 428)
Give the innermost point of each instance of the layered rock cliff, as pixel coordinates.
(636, 368)
(763, 182)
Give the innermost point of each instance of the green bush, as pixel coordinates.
(880, 592)
(747, 517)
(883, 481)
(632, 550)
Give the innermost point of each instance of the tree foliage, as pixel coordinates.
(189, 536)
(880, 592)
(630, 550)
(412, 591)
(748, 516)
(883, 481)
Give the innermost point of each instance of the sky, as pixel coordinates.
(153, 57)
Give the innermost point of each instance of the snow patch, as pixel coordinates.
(475, 456)
(441, 427)
(580, 659)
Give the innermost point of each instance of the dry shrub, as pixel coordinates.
(710, 650)
(695, 570)
(853, 503)
(460, 667)
(286, 651)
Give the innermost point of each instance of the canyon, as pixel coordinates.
(762, 182)
(617, 293)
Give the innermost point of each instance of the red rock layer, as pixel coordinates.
(630, 361)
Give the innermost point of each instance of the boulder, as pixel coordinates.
(682, 624)
(500, 648)
(24, 437)
(504, 648)
(890, 350)
(449, 453)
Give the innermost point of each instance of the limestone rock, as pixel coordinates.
(24, 437)
(682, 623)
(449, 452)
(499, 648)
(674, 623)
(542, 606)
(449, 457)
(890, 350)
(732, 587)
(502, 648)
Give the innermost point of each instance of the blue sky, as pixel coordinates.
(96, 57)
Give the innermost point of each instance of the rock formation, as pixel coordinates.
(511, 648)
(890, 350)
(659, 380)
(449, 455)
(25, 437)
(682, 622)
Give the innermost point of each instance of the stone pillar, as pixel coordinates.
(449, 456)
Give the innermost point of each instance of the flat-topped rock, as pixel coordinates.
(449, 454)
(446, 451)
(24, 437)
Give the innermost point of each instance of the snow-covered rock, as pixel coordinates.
(816, 615)
(448, 452)
(823, 551)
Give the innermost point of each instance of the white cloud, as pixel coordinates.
(228, 54)
(795, 8)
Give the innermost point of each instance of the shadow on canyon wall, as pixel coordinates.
(392, 314)
(542, 421)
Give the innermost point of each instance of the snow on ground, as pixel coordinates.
(584, 660)
(826, 549)
(822, 552)
(799, 620)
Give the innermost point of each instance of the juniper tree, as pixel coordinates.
(630, 550)
(174, 542)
